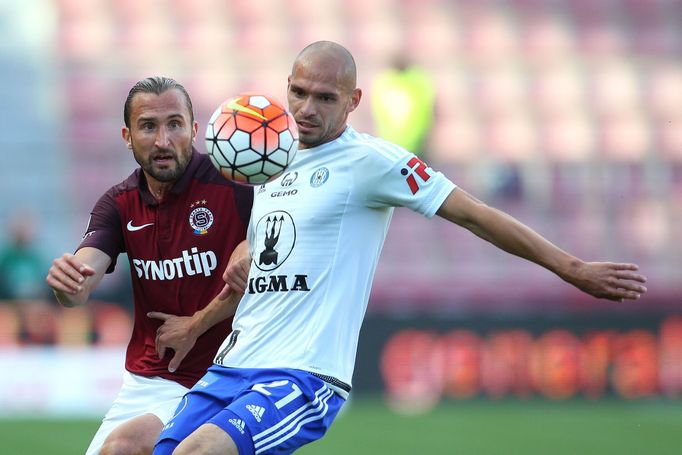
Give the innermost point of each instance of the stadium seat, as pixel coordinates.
(431, 33)
(557, 87)
(614, 85)
(567, 136)
(454, 139)
(490, 36)
(663, 92)
(625, 137)
(86, 30)
(546, 38)
(511, 137)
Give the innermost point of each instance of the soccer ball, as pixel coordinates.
(251, 138)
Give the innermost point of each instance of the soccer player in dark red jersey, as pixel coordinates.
(179, 222)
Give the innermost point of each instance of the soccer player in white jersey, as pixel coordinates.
(315, 235)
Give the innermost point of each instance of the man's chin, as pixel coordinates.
(165, 174)
(308, 141)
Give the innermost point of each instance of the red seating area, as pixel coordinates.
(549, 105)
(605, 59)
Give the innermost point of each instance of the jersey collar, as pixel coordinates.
(179, 186)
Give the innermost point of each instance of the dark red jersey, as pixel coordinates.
(178, 250)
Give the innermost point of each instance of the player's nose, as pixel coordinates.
(307, 107)
(162, 139)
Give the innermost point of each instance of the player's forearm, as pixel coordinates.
(514, 237)
(72, 277)
(72, 300)
(508, 234)
(216, 311)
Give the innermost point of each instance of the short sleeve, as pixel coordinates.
(104, 230)
(389, 176)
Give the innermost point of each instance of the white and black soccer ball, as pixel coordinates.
(251, 138)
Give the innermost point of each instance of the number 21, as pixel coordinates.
(295, 393)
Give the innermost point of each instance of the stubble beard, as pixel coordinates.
(168, 173)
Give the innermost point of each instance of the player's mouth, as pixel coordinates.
(305, 127)
(163, 159)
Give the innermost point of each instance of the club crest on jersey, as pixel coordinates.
(200, 220)
(275, 238)
(418, 168)
(319, 177)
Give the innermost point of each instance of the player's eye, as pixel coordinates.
(147, 126)
(175, 124)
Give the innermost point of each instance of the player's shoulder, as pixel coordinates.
(117, 195)
(367, 146)
(131, 183)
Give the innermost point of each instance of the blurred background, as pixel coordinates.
(567, 114)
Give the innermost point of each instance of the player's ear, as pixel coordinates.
(195, 128)
(125, 134)
(288, 83)
(355, 99)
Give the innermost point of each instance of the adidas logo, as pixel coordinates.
(257, 411)
(238, 423)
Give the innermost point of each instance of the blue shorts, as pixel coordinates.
(265, 411)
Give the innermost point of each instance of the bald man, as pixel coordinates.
(315, 235)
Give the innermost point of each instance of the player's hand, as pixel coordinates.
(68, 274)
(175, 333)
(236, 273)
(608, 280)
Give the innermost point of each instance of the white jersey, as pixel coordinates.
(315, 236)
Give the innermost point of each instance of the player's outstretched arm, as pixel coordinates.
(72, 277)
(613, 281)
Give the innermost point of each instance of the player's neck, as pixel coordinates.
(158, 189)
